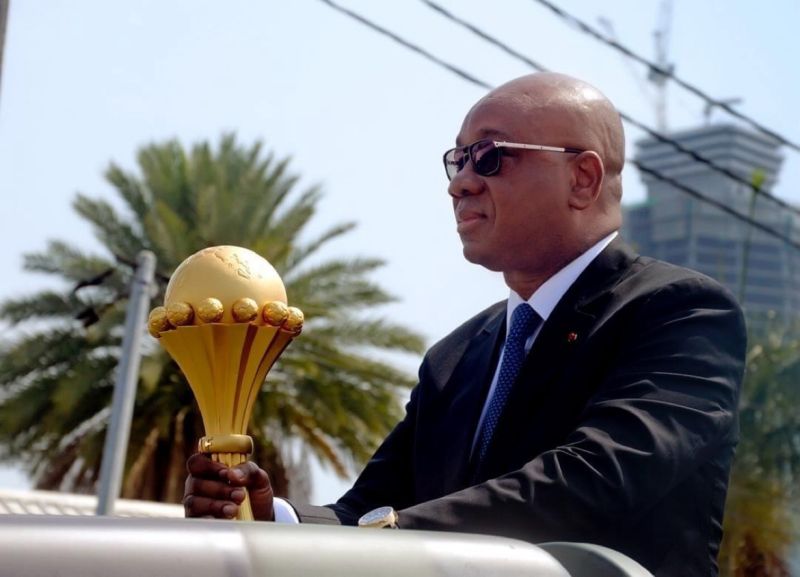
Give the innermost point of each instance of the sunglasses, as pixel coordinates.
(485, 155)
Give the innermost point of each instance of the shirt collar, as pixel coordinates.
(546, 297)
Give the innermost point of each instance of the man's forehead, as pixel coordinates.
(497, 117)
(481, 133)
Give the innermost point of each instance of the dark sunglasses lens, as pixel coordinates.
(454, 161)
(485, 157)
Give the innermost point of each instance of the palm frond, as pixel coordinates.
(135, 195)
(67, 261)
(46, 304)
(116, 234)
(301, 253)
(377, 333)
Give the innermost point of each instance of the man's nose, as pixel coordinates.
(466, 182)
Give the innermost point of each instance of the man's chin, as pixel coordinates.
(476, 256)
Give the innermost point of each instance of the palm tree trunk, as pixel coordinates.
(136, 482)
(176, 469)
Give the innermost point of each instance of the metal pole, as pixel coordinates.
(119, 425)
(3, 24)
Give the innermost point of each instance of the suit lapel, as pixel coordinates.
(562, 334)
(461, 400)
(576, 313)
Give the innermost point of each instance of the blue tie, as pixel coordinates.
(524, 321)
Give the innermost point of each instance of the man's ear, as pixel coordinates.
(588, 172)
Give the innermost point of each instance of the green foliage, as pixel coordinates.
(329, 390)
(760, 516)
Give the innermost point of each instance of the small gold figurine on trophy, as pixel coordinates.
(225, 322)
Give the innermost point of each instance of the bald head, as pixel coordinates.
(566, 111)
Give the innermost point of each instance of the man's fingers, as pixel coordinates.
(247, 475)
(213, 489)
(197, 506)
(201, 465)
(258, 485)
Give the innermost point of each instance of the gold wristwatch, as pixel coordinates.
(380, 518)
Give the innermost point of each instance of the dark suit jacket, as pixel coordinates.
(620, 430)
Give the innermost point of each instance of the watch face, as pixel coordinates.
(379, 517)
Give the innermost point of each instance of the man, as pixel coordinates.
(597, 404)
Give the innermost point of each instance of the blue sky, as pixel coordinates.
(90, 81)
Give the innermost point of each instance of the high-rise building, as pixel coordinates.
(761, 270)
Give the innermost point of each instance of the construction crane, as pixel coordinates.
(659, 76)
(3, 21)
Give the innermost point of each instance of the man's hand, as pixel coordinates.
(214, 490)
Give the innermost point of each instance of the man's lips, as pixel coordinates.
(467, 219)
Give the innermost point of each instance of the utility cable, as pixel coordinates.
(713, 202)
(490, 39)
(593, 32)
(755, 188)
(413, 47)
(656, 174)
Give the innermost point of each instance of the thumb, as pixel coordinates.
(258, 485)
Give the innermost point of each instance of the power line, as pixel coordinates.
(627, 118)
(656, 174)
(713, 202)
(413, 47)
(710, 163)
(667, 73)
(490, 39)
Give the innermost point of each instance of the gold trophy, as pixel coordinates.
(225, 321)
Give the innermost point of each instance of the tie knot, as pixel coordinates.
(524, 321)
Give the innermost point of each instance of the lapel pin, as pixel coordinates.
(572, 337)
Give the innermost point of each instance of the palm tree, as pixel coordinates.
(330, 394)
(762, 506)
